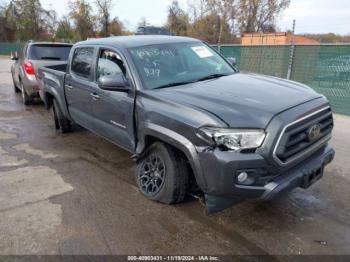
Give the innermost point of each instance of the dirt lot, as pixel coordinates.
(75, 194)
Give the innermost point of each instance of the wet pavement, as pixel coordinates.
(75, 194)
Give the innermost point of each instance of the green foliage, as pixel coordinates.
(178, 21)
(26, 19)
(207, 28)
(8, 27)
(83, 20)
(218, 21)
(214, 21)
(64, 32)
(116, 27)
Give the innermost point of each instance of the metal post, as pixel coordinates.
(291, 57)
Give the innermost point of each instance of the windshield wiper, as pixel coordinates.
(173, 84)
(213, 76)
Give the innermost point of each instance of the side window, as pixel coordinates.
(82, 61)
(109, 64)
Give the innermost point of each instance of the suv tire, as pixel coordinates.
(25, 97)
(15, 88)
(61, 122)
(162, 174)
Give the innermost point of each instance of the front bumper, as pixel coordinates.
(303, 175)
(219, 169)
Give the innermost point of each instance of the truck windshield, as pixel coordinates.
(167, 65)
(49, 52)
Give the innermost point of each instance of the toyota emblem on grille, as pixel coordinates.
(314, 133)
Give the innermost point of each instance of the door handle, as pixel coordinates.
(69, 87)
(95, 96)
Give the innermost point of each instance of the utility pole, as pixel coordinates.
(291, 57)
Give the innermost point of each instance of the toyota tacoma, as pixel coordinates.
(191, 120)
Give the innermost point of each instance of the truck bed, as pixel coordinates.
(53, 78)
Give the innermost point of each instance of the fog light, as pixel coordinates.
(242, 177)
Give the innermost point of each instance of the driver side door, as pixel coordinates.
(113, 111)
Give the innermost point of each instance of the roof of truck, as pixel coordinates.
(138, 40)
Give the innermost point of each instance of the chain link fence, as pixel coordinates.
(325, 67)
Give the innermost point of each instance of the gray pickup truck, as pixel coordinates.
(191, 120)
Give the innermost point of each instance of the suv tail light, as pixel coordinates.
(28, 67)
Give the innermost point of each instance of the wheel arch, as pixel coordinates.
(154, 133)
(49, 95)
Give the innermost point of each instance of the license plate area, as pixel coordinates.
(312, 177)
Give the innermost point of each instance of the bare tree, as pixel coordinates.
(104, 9)
(116, 27)
(8, 25)
(64, 31)
(197, 9)
(81, 15)
(255, 15)
(143, 22)
(177, 19)
(225, 11)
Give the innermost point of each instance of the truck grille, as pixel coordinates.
(303, 135)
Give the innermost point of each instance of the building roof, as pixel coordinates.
(257, 34)
(275, 38)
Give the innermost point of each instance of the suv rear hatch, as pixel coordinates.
(48, 54)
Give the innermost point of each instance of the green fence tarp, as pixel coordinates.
(6, 48)
(326, 67)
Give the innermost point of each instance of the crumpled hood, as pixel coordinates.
(241, 100)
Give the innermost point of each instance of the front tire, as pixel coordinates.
(162, 174)
(62, 123)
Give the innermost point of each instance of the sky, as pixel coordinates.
(312, 16)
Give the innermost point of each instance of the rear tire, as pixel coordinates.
(61, 122)
(162, 174)
(26, 99)
(15, 88)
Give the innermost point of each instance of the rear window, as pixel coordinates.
(82, 60)
(49, 52)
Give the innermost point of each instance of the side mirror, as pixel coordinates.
(232, 61)
(114, 83)
(14, 56)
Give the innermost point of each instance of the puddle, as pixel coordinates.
(7, 160)
(10, 118)
(32, 151)
(2, 151)
(10, 115)
(7, 135)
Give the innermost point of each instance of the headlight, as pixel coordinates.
(233, 139)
